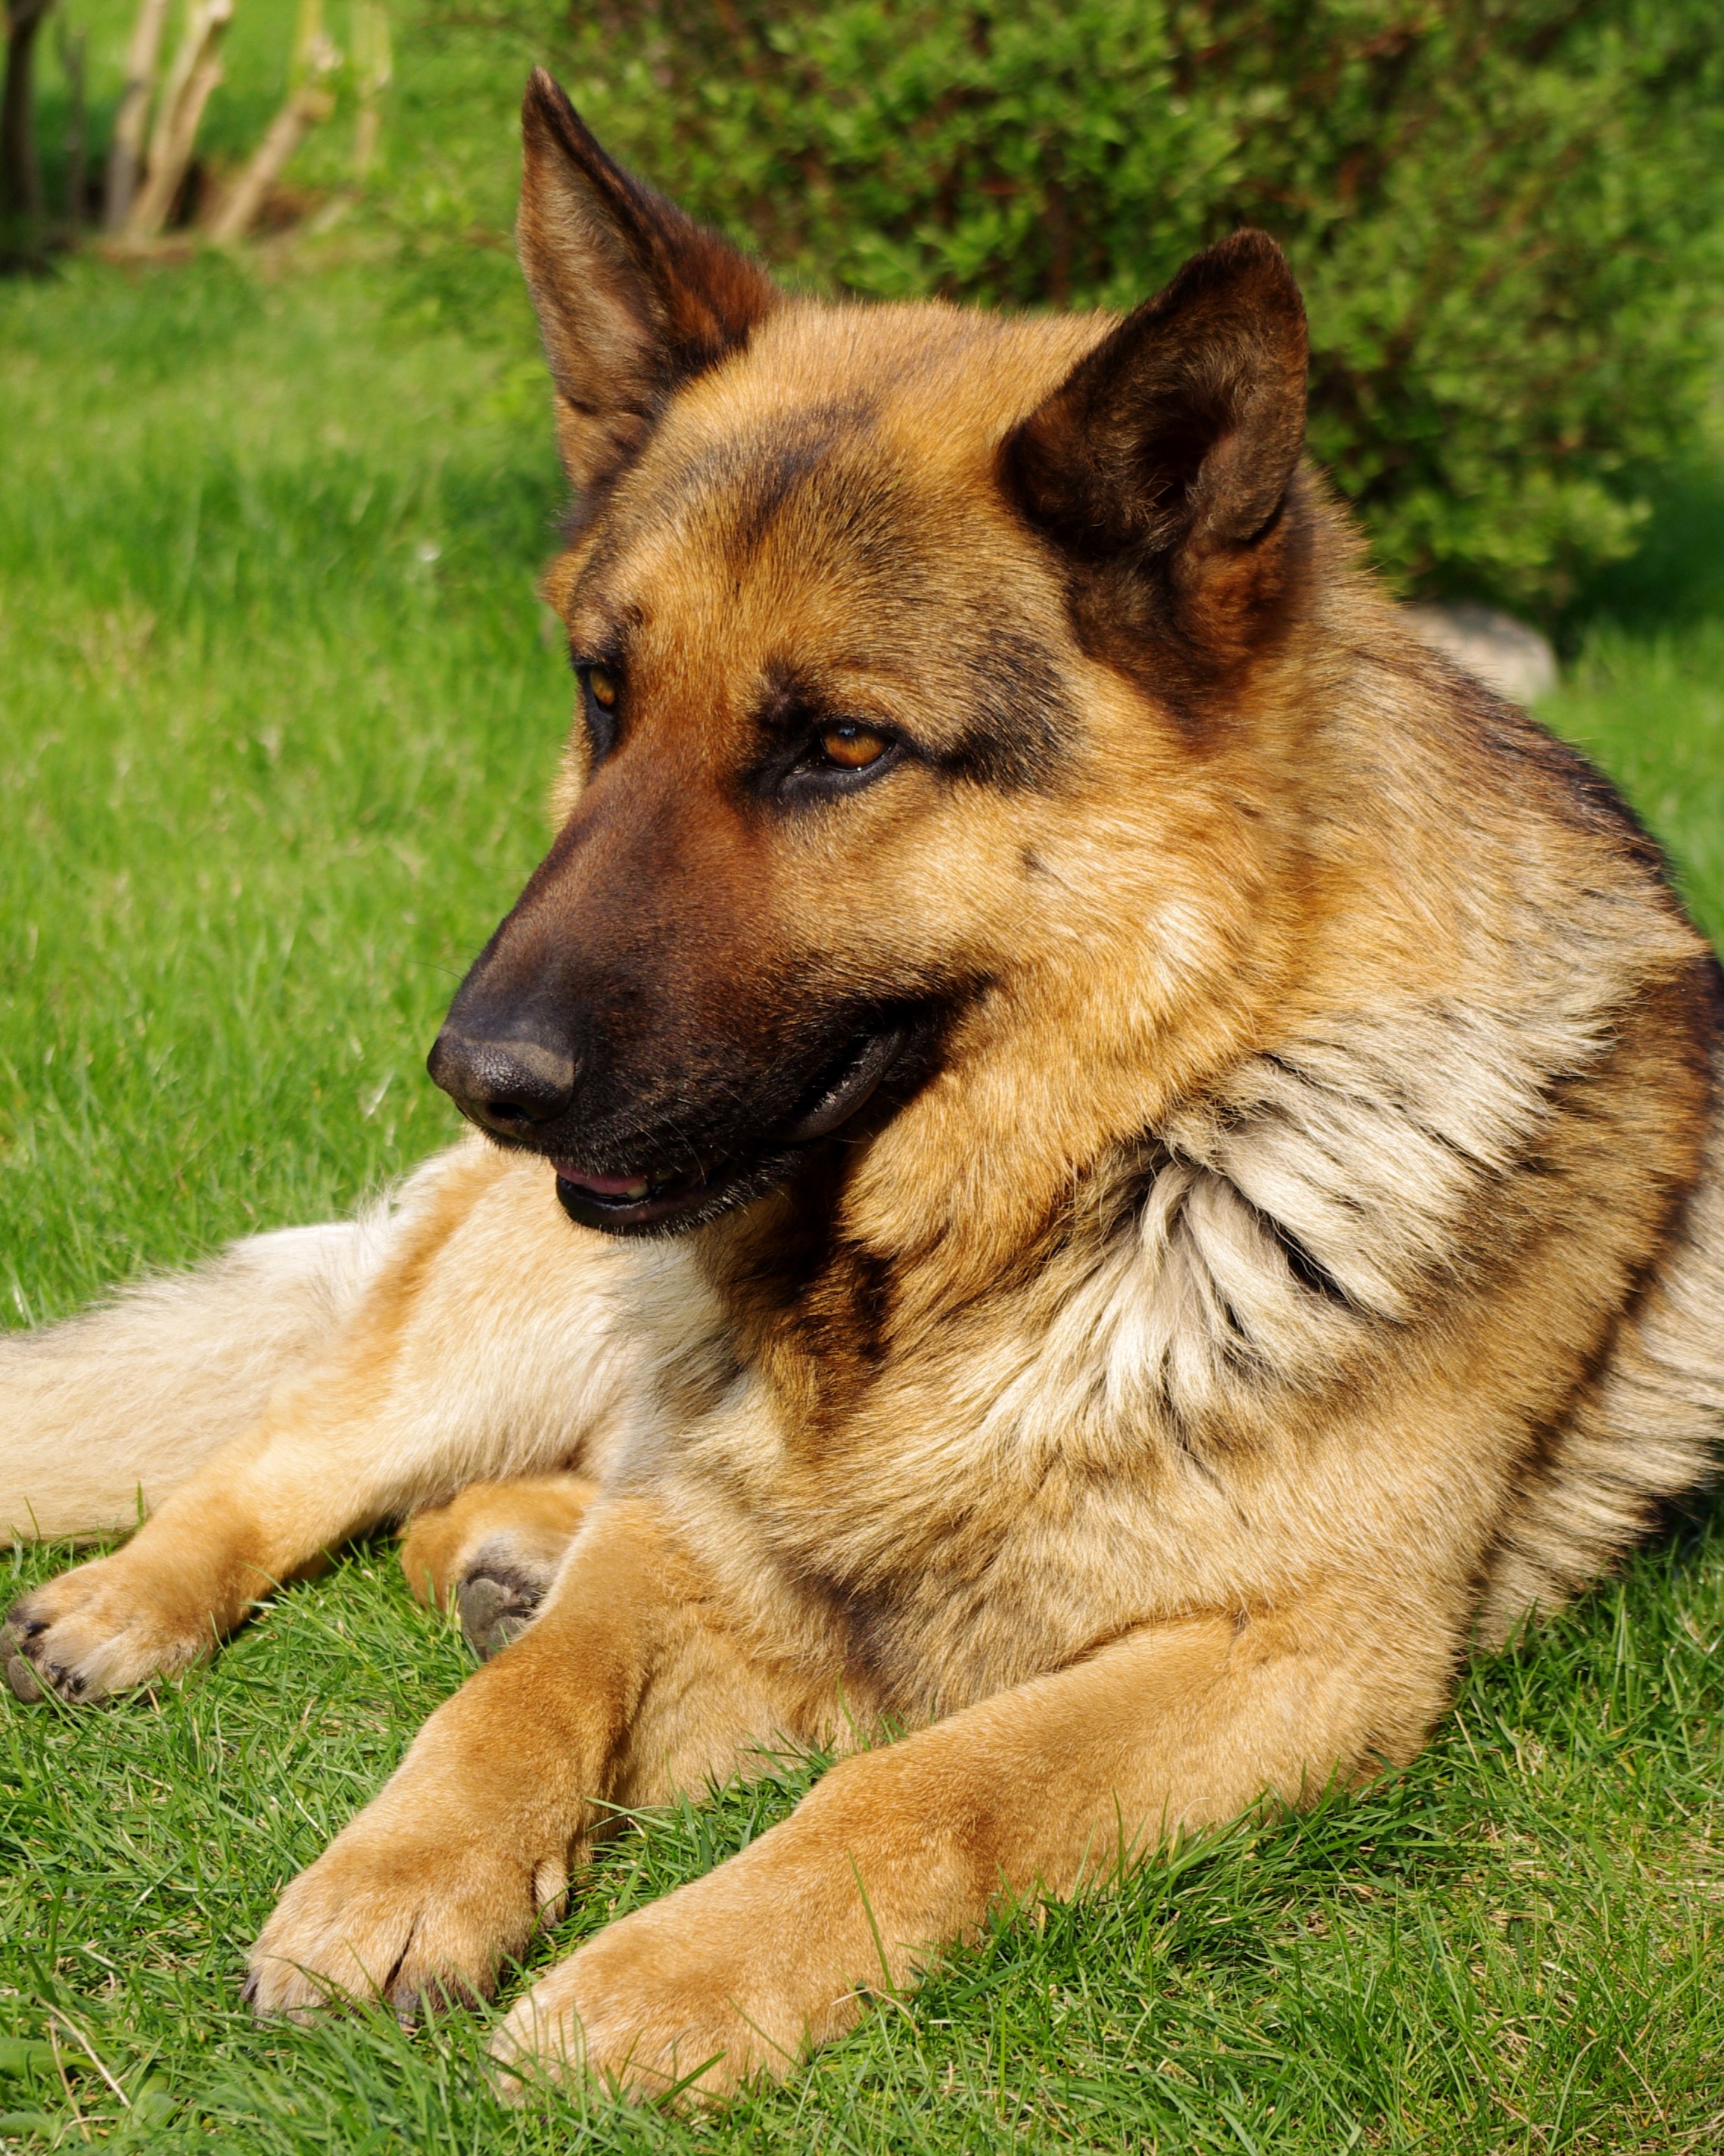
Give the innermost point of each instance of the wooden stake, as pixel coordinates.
(304, 110)
(373, 67)
(20, 173)
(126, 152)
(197, 69)
(309, 101)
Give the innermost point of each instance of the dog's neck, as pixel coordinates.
(1143, 986)
(1169, 1034)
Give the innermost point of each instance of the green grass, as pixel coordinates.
(279, 722)
(276, 722)
(1513, 1946)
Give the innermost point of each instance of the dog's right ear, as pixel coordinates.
(1164, 465)
(634, 298)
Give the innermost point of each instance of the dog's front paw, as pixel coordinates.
(419, 1912)
(103, 1627)
(663, 2003)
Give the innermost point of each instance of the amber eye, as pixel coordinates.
(853, 746)
(603, 686)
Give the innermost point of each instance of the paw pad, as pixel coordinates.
(495, 1608)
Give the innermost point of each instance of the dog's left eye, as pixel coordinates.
(851, 746)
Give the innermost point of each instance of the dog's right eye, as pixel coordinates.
(850, 746)
(601, 693)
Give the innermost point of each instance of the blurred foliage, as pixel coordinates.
(1506, 214)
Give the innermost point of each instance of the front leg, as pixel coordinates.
(262, 1510)
(426, 1387)
(1040, 1789)
(471, 1842)
(265, 1509)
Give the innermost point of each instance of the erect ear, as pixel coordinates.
(634, 298)
(1163, 462)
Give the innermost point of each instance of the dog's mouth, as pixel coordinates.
(645, 1199)
(618, 1202)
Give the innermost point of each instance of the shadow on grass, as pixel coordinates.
(1676, 578)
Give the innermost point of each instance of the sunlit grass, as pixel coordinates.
(1514, 1945)
(278, 721)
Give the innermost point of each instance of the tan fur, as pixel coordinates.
(187, 1363)
(1304, 1257)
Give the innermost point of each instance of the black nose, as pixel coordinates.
(509, 1084)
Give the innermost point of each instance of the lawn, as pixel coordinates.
(278, 713)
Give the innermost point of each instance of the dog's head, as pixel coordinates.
(897, 630)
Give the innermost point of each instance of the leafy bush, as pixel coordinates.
(1506, 214)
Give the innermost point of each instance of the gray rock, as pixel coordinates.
(1503, 653)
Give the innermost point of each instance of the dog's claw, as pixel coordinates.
(30, 1674)
(105, 1627)
(19, 1675)
(17, 1630)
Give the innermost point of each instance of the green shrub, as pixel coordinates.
(1506, 214)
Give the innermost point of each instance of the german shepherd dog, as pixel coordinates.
(1084, 1151)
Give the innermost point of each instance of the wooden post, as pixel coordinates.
(125, 153)
(20, 170)
(197, 69)
(373, 67)
(309, 101)
(305, 108)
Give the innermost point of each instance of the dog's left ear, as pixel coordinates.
(634, 298)
(1161, 465)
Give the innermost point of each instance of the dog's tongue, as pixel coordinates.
(603, 1186)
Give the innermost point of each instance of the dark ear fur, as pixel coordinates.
(634, 298)
(1164, 465)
